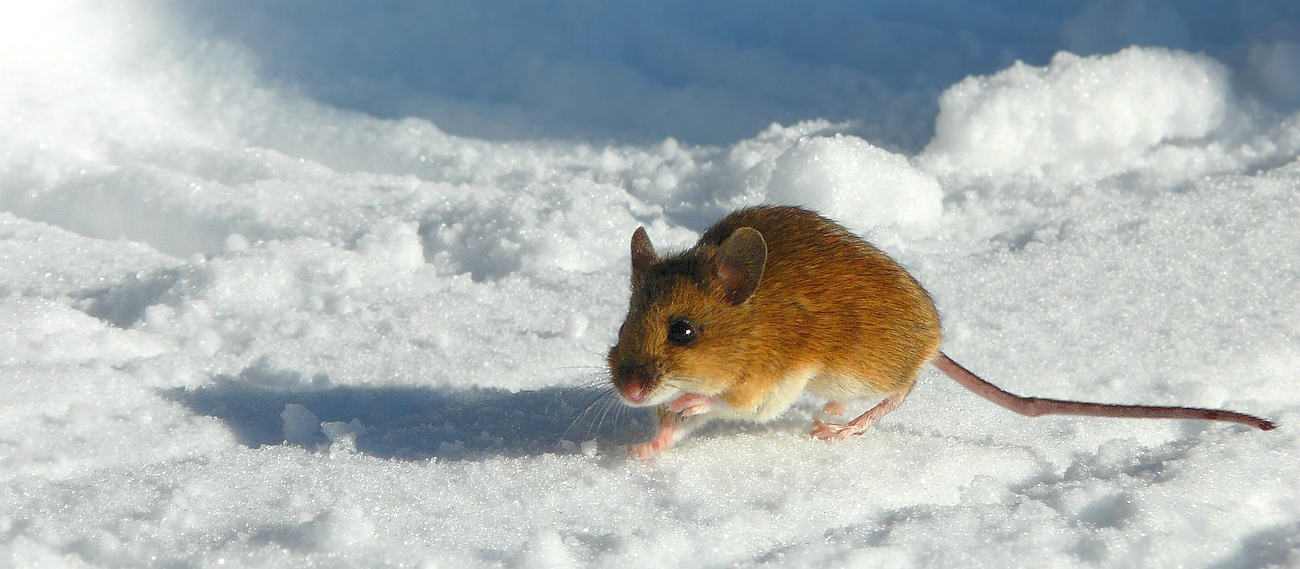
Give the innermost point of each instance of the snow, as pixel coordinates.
(858, 184)
(285, 289)
(1078, 119)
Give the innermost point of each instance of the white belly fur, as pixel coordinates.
(786, 391)
(841, 388)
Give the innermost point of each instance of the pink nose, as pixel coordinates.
(634, 392)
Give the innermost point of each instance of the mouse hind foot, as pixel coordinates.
(834, 431)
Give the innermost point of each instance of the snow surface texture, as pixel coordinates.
(245, 327)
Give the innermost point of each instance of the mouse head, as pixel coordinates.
(686, 321)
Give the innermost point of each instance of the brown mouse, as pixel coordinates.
(774, 301)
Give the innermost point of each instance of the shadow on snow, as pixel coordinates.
(413, 423)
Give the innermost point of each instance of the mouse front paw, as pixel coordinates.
(662, 442)
(691, 404)
(670, 427)
(645, 450)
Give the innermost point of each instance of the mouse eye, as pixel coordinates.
(681, 332)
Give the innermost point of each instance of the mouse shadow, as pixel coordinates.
(416, 423)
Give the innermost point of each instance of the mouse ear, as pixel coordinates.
(739, 264)
(643, 252)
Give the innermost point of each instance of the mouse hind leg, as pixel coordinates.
(835, 431)
(842, 387)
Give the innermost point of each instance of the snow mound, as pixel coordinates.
(809, 164)
(848, 179)
(38, 330)
(1080, 119)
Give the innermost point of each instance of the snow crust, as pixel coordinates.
(245, 324)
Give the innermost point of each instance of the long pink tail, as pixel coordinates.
(1034, 406)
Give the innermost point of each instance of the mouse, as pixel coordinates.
(775, 301)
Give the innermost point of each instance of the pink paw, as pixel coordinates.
(669, 425)
(645, 450)
(833, 408)
(834, 431)
(691, 404)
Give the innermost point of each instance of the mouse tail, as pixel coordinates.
(1035, 406)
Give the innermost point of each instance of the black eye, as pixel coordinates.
(681, 332)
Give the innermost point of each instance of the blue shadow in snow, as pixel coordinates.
(415, 423)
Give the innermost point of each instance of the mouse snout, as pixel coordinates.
(635, 392)
(634, 382)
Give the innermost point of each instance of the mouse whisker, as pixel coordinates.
(609, 404)
(578, 390)
(578, 367)
(603, 396)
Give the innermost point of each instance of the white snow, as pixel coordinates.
(855, 183)
(251, 321)
(1078, 119)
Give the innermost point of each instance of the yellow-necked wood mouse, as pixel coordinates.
(776, 300)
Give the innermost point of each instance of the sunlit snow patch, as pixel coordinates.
(1079, 119)
(858, 184)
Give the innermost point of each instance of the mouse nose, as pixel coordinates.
(634, 382)
(635, 392)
